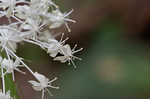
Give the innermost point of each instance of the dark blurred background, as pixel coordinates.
(115, 35)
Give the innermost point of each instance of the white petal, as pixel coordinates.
(34, 83)
(61, 58)
(40, 77)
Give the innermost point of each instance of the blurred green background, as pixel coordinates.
(116, 56)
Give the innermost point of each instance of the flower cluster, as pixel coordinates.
(33, 23)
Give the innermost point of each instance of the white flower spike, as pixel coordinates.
(32, 21)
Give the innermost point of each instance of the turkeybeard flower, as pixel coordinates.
(10, 66)
(68, 55)
(54, 47)
(43, 84)
(57, 18)
(32, 22)
(9, 39)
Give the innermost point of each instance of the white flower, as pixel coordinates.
(5, 96)
(6, 13)
(7, 3)
(57, 18)
(9, 39)
(44, 4)
(42, 84)
(23, 12)
(68, 55)
(33, 26)
(10, 5)
(49, 2)
(40, 7)
(10, 66)
(27, 12)
(45, 36)
(54, 46)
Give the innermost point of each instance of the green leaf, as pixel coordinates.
(10, 86)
